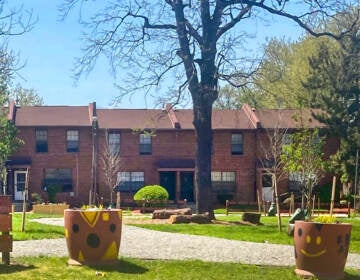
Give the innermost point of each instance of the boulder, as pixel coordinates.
(185, 219)
(167, 213)
(180, 219)
(253, 218)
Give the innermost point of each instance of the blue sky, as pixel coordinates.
(50, 48)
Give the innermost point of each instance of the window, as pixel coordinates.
(266, 180)
(294, 181)
(130, 181)
(41, 141)
(60, 177)
(223, 182)
(286, 139)
(114, 142)
(223, 176)
(228, 176)
(72, 141)
(145, 144)
(236, 144)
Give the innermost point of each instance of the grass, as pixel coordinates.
(34, 230)
(267, 232)
(126, 268)
(56, 268)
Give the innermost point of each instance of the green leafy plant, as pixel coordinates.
(153, 195)
(52, 190)
(304, 155)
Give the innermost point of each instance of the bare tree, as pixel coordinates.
(111, 163)
(272, 149)
(193, 43)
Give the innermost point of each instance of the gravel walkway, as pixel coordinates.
(148, 244)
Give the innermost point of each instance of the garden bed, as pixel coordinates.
(52, 208)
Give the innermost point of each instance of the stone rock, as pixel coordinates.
(180, 219)
(185, 219)
(200, 219)
(167, 213)
(253, 218)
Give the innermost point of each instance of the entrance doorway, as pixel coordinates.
(19, 184)
(168, 181)
(267, 190)
(187, 186)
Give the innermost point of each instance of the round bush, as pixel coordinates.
(153, 195)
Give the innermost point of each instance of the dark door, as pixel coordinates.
(187, 186)
(168, 181)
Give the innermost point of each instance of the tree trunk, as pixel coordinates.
(203, 132)
(277, 203)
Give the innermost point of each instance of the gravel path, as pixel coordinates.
(148, 244)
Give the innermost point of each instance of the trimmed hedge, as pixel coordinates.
(152, 196)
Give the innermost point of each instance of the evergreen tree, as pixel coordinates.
(334, 79)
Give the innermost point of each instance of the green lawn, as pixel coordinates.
(33, 230)
(266, 232)
(56, 268)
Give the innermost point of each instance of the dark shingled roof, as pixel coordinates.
(221, 119)
(287, 118)
(133, 119)
(52, 116)
(245, 118)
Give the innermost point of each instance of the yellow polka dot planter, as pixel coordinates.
(92, 236)
(321, 249)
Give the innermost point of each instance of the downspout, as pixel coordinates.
(94, 134)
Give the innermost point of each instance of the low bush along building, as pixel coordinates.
(65, 147)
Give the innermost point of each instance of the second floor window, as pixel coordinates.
(236, 144)
(72, 141)
(41, 140)
(145, 144)
(114, 142)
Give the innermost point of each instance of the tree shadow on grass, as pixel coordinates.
(12, 268)
(121, 266)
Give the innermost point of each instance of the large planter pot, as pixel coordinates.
(92, 236)
(321, 249)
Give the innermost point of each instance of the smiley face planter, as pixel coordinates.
(92, 236)
(321, 249)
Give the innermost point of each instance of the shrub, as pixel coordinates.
(154, 195)
(52, 190)
(324, 193)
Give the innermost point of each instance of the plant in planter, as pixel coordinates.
(93, 235)
(321, 247)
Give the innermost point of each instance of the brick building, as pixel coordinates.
(64, 145)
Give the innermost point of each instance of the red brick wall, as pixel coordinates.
(57, 157)
(165, 144)
(178, 144)
(243, 165)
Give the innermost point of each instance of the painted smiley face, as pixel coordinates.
(316, 243)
